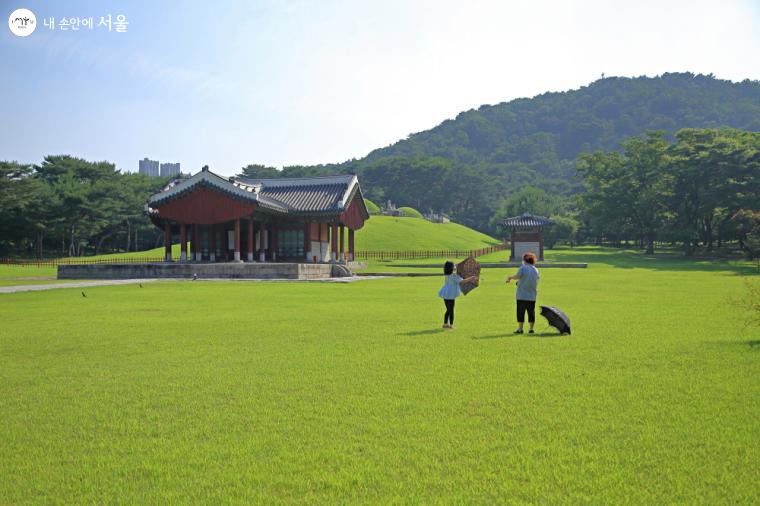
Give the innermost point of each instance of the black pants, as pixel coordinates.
(449, 316)
(530, 307)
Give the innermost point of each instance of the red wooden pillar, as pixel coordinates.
(237, 240)
(273, 242)
(318, 252)
(307, 241)
(351, 244)
(193, 241)
(334, 242)
(342, 256)
(182, 243)
(197, 243)
(249, 256)
(541, 244)
(262, 242)
(168, 242)
(321, 256)
(191, 249)
(212, 243)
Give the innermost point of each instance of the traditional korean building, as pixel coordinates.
(237, 219)
(526, 233)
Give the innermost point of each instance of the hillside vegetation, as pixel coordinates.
(468, 166)
(539, 133)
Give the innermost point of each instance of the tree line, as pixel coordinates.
(699, 188)
(68, 206)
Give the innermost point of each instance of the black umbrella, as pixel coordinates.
(557, 318)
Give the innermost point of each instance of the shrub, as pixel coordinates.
(371, 207)
(410, 212)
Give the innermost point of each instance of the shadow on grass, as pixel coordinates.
(512, 334)
(752, 343)
(423, 332)
(547, 334)
(495, 336)
(665, 261)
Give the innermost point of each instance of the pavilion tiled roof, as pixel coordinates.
(526, 220)
(179, 187)
(311, 195)
(308, 195)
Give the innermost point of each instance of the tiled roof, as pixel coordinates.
(327, 194)
(207, 178)
(308, 195)
(526, 220)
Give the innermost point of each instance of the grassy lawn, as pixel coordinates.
(600, 256)
(386, 233)
(18, 275)
(25, 282)
(349, 393)
(26, 271)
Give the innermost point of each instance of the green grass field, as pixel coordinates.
(387, 233)
(11, 275)
(350, 393)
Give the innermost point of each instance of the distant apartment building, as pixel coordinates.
(169, 169)
(149, 167)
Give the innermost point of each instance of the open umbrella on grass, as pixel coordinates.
(557, 318)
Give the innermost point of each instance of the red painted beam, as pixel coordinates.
(352, 217)
(205, 206)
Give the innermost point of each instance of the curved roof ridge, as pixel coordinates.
(319, 194)
(297, 181)
(526, 220)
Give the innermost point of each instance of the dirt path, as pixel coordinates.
(109, 282)
(76, 284)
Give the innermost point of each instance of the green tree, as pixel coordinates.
(626, 194)
(14, 198)
(564, 229)
(715, 173)
(257, 171)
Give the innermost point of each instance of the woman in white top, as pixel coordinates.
(450, 291)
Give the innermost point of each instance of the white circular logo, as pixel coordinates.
(22, 22)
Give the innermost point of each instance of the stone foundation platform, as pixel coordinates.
(230, 270)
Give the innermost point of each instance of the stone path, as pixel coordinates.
(109, 282)
(75, 284)
(351, 279)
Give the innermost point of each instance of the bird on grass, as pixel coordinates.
(83, 295)
(195, 276)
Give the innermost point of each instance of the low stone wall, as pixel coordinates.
(231, 270)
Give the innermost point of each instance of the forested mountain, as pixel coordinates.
(542, 132)
(467, 166)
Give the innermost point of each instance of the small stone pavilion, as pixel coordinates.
(302, 220)
(526, 234)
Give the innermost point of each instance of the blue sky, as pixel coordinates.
(302, 82)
